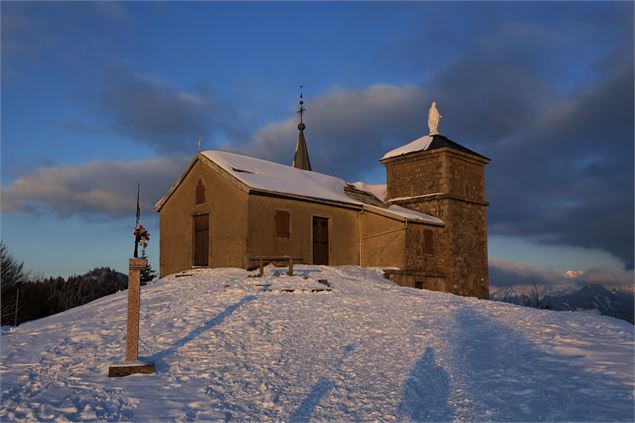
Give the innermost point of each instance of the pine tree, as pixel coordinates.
(148, 274)
(14, 278)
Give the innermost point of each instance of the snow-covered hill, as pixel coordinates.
(232, 347)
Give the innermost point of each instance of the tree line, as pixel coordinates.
(25, 297)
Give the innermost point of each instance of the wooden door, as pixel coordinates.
(320, 240)
(201, 240)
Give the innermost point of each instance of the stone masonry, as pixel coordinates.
(134, 304)
(447, 183)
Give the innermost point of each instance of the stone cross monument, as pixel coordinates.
(134, 304)
(132, 364)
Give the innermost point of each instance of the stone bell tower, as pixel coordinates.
(439, 177)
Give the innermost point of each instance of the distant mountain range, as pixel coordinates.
(618, 303)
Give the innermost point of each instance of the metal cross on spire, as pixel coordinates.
(302, 109)
(301, 157)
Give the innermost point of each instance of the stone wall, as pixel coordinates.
(448, 184)
(417, 258)
(417, 279)
(416, 174)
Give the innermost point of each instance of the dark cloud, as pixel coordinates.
(559, 130)
(569, 179)
(558, 125)
(561, 171)
(92, 190)
(347, 131)
(151, 111)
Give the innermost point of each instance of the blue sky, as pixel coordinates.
(97, 96)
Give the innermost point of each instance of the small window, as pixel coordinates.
(282, 223)
(428, 241)
(200, 192)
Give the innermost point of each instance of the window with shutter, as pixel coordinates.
(283, 220)
(428, 241)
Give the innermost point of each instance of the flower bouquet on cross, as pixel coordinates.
(141, 237)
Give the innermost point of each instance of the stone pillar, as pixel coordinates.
(132, 364)
(134, 303)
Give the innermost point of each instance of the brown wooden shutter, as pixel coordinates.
(283, 219)
(428, 241)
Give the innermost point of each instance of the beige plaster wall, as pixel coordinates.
(226, 204)
(383, 241)
(262, 240)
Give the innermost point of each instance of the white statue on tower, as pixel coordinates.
(433, 119)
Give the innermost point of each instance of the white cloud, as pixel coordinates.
(571, 274)
(98, 188)
(508, 273)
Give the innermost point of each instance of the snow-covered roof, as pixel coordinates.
(273, 177)
(378, 190)
(419, 144)
(430, 142)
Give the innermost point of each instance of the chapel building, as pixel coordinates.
(427, 226)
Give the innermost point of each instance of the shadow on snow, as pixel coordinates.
(425, 397)
(157, 358)
(506, 377)
(303, 411)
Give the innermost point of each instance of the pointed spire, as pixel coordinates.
(301, 157)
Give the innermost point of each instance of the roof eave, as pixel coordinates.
(394, 215)
(269, 193)
(204, 159)
(159, 205)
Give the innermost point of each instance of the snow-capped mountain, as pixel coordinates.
(353, 347)
(597, 299)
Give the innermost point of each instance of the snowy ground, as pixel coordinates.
(229, 347)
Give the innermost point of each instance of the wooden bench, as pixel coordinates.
(270, 259)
